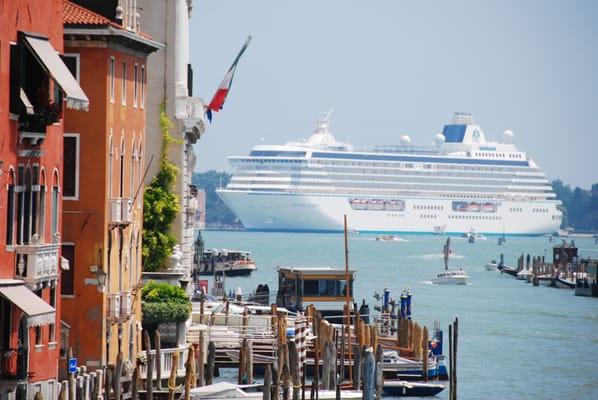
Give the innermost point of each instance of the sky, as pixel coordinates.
(390, 68)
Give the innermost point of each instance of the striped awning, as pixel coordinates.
(38, 311)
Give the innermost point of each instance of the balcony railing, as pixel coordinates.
(33, 122)
(37, 261)
(121, 212)
(13, 364)
(166, 362)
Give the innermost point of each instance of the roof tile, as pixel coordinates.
(74, 14)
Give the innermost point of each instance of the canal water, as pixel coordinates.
(516, 341)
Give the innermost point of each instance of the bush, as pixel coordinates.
(162, 302)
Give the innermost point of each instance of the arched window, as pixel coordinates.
(110, 158)
(140, 174)
(55, 204)
(132, 264)
(132, 171)
(132, 324)
(10, 206)
(122, 165)
(25, 233)
(34, 200)
(41, 225)
(138, 266)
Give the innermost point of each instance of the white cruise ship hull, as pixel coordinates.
(324, 213)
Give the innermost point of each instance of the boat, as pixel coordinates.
(525, 275)
(458, 277)
(229, 262)
(390, 238)
(491, 266)
(586, 283)
(395, 366)
(564, 283)
(455, 277)
(227, 390)
(505, 269)
(411, 389)
(464, 181)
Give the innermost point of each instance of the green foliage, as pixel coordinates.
(162, 302)
(581, 206)
(160, 205)
(158, 292)
(217, 213)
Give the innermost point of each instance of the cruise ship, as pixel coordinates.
(463, 183)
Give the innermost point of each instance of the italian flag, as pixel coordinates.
(222, 91)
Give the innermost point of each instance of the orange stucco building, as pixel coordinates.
(104, 166)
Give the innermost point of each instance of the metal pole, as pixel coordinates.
(348, 299)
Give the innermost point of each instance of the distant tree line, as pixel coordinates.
(218, 215)
(580, 205)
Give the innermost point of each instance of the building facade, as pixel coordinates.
(104, 164)
(167, 22)
(36, 87)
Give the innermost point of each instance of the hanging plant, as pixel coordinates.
(160, 205)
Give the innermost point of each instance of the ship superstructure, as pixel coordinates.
(463, 183)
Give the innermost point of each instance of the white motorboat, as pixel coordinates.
(390, 238)
(457, 277)
(226, 390)
(525, 275)
(491, 266)
(447, 277)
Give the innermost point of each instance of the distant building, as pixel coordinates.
(200, 210)
(171, 76)
(103, 189)
(36, 88)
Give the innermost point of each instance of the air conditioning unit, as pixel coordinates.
(126, 304)
(114, 305)
(126, 210)
(115, 210)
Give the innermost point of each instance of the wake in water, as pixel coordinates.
(435, 256)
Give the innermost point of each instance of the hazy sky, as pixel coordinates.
(390, 68)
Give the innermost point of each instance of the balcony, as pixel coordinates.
(114, 306)
(126, 304)
(33, 122)
(37, 262)
(121, 212)
(191, 111)
(13, 364)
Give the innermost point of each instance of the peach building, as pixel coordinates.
(103, 182)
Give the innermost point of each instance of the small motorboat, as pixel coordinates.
(525, 275)
(491, 266)
(450, 277)
(456, 277)
(408, 389)
(564, 283)
(389, 238)
(505, 269)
